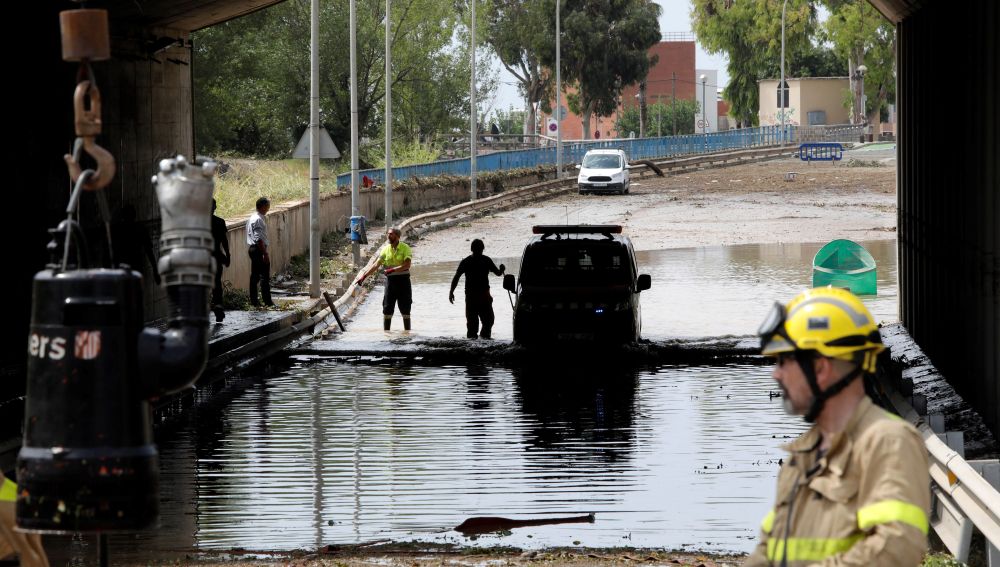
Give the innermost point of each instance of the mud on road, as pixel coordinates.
(742, 204)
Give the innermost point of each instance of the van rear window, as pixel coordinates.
(568, 264)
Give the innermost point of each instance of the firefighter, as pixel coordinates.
(27, 546)
(854, 489)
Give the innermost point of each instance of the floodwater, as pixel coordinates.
(697, 292)
(337, 452)
(343, 451)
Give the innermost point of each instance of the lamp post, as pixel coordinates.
(704, 102)
(860, 99)
(659, 107)
(781, 85)
(558, 110)
(473, 129)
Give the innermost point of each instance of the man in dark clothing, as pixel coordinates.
(221, 254)
(260, 260)
(478, 301)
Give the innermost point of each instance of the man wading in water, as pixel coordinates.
(478, 301)
(396, 256)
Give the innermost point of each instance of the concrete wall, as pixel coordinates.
(826, 94)
(288, 224)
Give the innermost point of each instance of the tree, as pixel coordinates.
(749, 32)
(861, 35)
(518, 35)
(252, 75)
(605, 46)
(660, 118)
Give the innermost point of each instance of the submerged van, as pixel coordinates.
(603, 171)
(577, 282)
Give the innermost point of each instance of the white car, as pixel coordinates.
(604, 171)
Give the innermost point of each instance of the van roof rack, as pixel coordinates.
(549, 229)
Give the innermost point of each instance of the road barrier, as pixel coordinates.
(573, 152)
(821, 151)
(963, 493)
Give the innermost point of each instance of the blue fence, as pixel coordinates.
(640, 148)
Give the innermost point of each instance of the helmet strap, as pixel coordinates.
(820, 397)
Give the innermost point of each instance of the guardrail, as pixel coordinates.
(573, 151)
(964, 493)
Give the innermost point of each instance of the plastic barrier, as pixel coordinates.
(821, 151)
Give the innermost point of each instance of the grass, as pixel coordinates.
(242, 181)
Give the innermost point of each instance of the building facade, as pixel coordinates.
(812, 101)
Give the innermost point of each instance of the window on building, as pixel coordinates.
(779, 93)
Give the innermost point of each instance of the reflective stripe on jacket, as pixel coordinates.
(864, 503)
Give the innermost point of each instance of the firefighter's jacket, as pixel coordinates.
(865, 502)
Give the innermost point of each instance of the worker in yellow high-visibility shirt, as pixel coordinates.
(27, 546)
(854, 489)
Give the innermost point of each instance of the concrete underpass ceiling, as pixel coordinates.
(183, 15)
(896, 10)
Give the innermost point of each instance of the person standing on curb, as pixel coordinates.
(478, 301)
(222, 258)
(260, 261)
(854, 489)
(397, 257)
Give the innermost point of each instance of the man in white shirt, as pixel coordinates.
(260, 261)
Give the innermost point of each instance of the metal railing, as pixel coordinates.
(845, 133)
(962, 497)
(573, 151)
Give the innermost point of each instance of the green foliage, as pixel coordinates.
(510, 121)
(941, 560)
(861, 35)
(234, 298)
(604, 46)
(749, 32)
(244, 181)
(662, 117)
(251, 75)
(517, 32)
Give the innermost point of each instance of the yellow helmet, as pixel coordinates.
(828, 320)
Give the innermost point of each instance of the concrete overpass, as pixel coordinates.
(949, 237)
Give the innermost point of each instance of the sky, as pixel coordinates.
(676, 17)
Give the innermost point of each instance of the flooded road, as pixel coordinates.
(338, 452)
(697, 292)
(334, 452)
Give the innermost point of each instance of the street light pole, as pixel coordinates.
(558, 110)
(473, 117)
(388, 113)
(781, 85)
(704, 102)
(862, 117)
(355, 190)
(315, 232)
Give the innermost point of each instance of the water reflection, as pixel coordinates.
(578, 416)
(349, 452)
